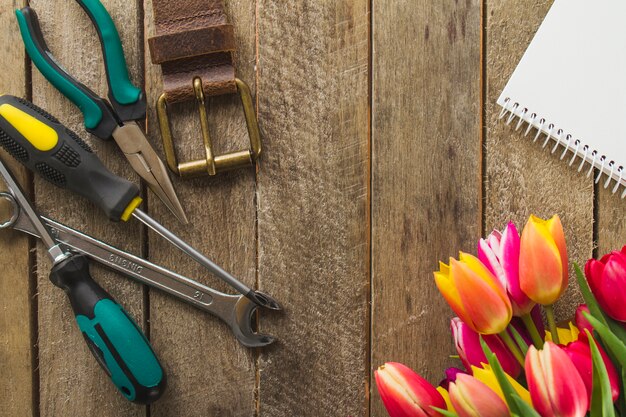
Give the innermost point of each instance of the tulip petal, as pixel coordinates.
(613, 288)
(446, 398)
(451, 295)
(485, 302)
(472, 398)
(555, 227)
(471, 353)
(556, 387)
(541, 268)
(405, 393)
(509, 258)
(485, 375)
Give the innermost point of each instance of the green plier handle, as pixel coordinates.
(101, 118)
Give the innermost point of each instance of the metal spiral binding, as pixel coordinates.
(606, 167)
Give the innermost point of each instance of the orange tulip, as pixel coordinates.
(475, 294)
(543, 260)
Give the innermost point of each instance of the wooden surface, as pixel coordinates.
(426, 178)
(383, 155)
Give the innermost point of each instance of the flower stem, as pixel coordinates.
(508, 341)
(552, 323)
(532, 329)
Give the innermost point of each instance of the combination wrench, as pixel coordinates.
(237, 311)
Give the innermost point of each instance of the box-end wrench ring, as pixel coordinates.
(235, 310)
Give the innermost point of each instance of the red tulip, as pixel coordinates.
(543, 260)
(607, 279)
(556, 387)
(580, 354)
(472, 398)
(581, 321)
(500, 254)
(468, 346)
(405, 393)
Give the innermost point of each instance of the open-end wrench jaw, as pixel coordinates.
(241, 325)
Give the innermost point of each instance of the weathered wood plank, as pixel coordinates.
(611, 221)
(426, 188)
(16, 334)
(72, 384)
(209, 373)
(313, 202)
(521, 177)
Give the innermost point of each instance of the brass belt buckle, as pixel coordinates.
(212, 164)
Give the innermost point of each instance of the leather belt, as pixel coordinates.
(194, 44)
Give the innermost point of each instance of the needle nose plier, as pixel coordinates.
(114, 119)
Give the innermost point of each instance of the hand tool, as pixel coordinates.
(111, 334)
(44, 145)
(104, 120)
(235, 310)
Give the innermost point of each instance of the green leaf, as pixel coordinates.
(601, 397)
(505, 385)
(613, 343)
(445, 413)
(519, 340)
(594, 308)
(590, 299)
(621, 401)
(525, 407)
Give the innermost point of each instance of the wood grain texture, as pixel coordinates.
(16, 335)
(611, 221)
(425, 173)
(209, 372)
(521, 177)
(313, 205)
(72, 384)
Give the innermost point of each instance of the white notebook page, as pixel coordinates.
(574, 76)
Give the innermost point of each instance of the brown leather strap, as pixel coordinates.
(193, 39)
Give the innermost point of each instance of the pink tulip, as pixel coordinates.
(581, 322)
(451, 374)
(556, 388)
(500, 254)
(468, 346)
(405, 393)
(607, 279)
(580, 354)
(472, 398)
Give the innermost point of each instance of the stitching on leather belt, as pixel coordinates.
(193, 39)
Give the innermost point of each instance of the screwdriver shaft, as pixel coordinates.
(193, 253)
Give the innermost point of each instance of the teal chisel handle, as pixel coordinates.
(112, 336)
(99, 117)
(127, 100)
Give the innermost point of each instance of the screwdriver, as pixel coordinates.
(41, 143)
(113, 338)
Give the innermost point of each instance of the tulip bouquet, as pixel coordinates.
(512, 364)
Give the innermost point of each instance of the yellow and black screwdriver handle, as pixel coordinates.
(41, 143)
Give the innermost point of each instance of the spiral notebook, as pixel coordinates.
(570, 86)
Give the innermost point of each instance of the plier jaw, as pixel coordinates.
(106, 119)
